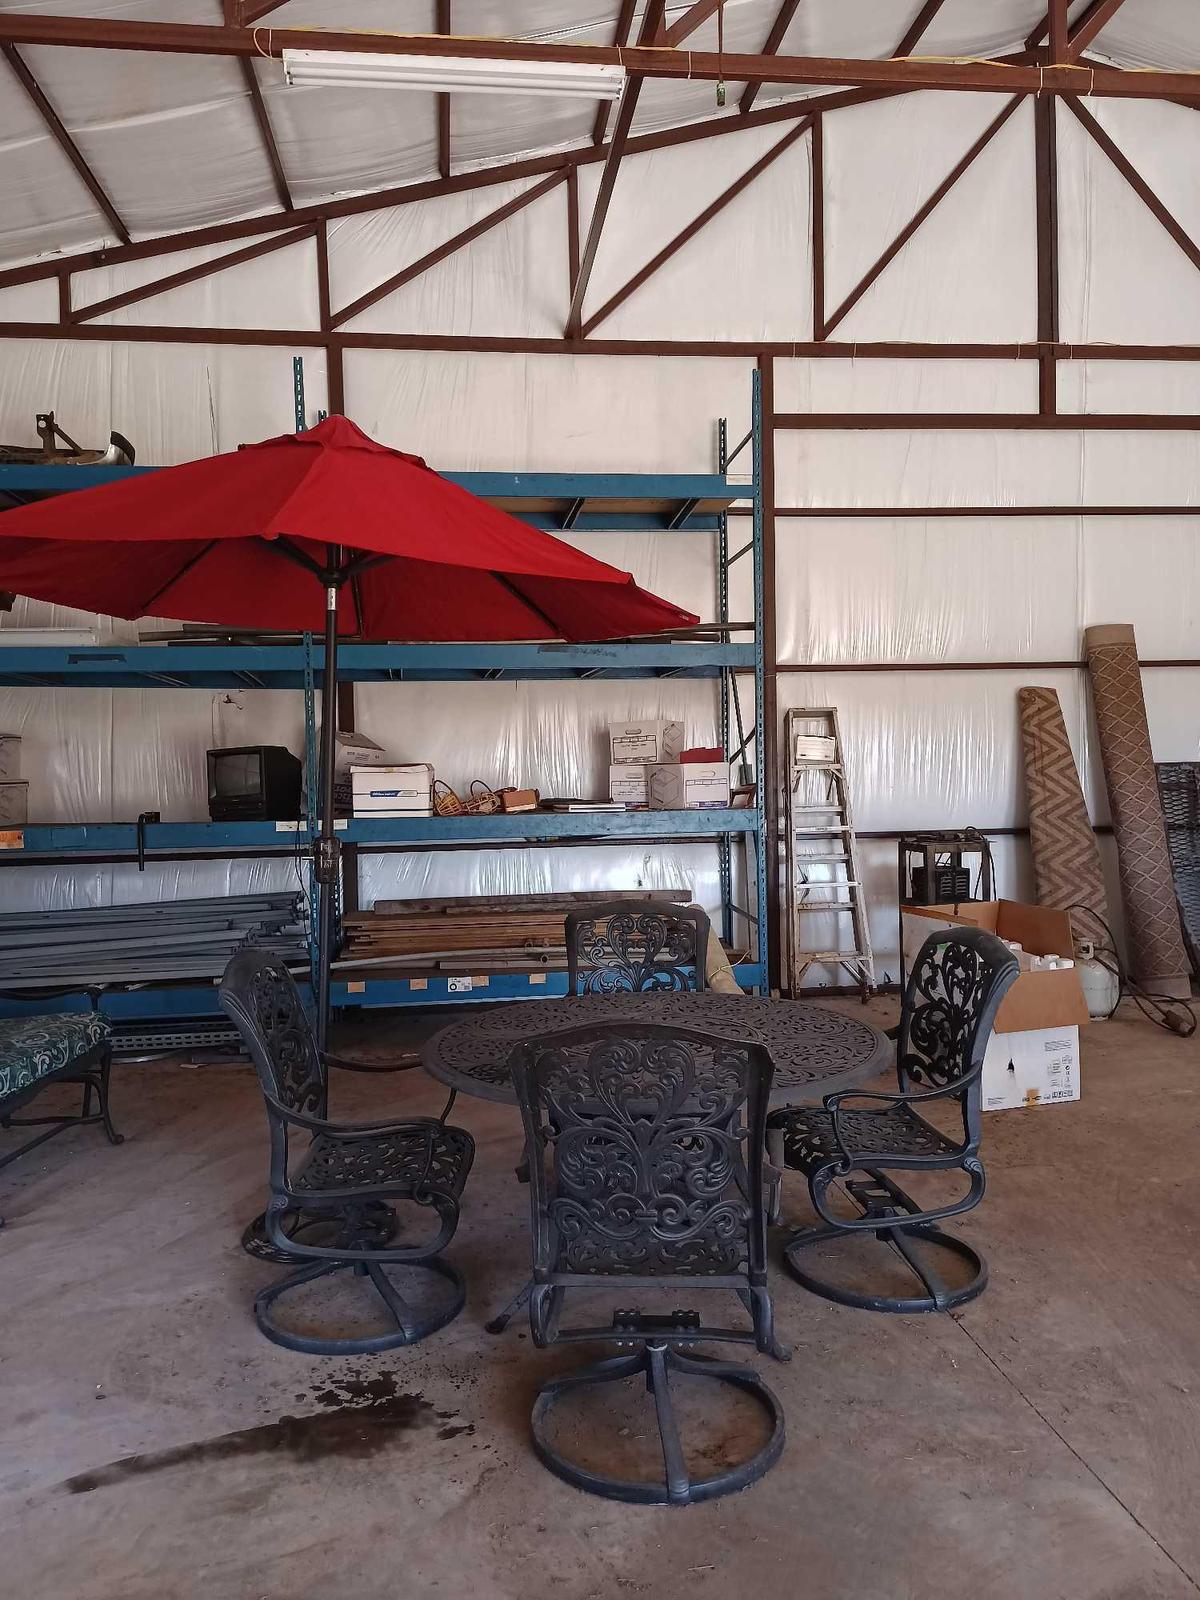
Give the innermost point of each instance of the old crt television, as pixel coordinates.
(257, 782)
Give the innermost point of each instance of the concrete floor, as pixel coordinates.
(1045, 1443)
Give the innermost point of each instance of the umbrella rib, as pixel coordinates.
(294, 553)
(176, 576)
(531, 605)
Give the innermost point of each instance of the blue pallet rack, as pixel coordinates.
(557, 502)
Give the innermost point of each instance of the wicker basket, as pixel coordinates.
(483, 802)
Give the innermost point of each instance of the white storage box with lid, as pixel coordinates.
(627, 783)
(645, 741)
(392, 791)
(696, 785)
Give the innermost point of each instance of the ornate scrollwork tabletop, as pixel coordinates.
(815, 1049)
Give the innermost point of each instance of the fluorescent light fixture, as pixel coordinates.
(441, 74)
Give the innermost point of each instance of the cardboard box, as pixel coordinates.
(645, 741)
(1038, 1067)
(356, 750)
(698, 786)
(627, 784)
(14, 805)
(10, 757)
(392, 791)
(514, 800)
(1033, 1056)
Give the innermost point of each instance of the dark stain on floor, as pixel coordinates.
(362, 1415)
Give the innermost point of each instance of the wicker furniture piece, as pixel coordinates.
(646, 1174)
(344, 1173)
(636, 945)
(35, 1052)
(949, 1008)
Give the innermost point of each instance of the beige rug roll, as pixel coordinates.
(1066, 862)
(1156, 955)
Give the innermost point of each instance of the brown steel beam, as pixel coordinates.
(444, 25)
(1056, 29)
(783, 21)
(448, 248)
(920, 24)
(176, 280)
(1097, 16)
(249, 11)
(621, 37)
(651, 21)
(640, 60)
(723, 349)
(1136, 182)
(64, 141)
(694, 17)
(572, 227)
(334, 359)
(919, 216)
(768, 756)
(737, 187)
(435, 188)
(266, 133)
(1045, 140)
(817, 208)
(991, 421)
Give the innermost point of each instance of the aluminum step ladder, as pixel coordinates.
(823, 877)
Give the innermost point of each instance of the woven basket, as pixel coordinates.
(482, 802)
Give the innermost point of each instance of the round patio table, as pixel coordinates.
(815, 1049)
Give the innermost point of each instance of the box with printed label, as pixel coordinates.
(1038, 1067)
(356, 750)
(699, 785)
(14, 805)
(627, 784)
(392, 791)
(10, 757)
(645, 741)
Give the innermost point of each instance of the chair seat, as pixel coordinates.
(398, 1158)
(32, 1048)
(809, 1143)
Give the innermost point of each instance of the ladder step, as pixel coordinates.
(830, 955)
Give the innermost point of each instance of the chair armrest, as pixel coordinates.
(357, 1130)
(344, 1064)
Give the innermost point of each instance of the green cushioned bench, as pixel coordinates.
(66, 1047)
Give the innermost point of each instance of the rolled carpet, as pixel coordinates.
(1066, 862)
(1156, 955)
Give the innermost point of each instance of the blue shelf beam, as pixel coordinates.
(170, 840)
(196, 1000)
(267, 666)
(596, 502)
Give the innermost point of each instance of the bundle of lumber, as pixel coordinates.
(464, 934)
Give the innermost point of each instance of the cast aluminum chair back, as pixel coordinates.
(645, 1147)
(345, 1172)
(634, 946)
(947, 1015)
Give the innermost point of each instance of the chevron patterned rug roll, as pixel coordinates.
(1066, 863)
(1156, 952)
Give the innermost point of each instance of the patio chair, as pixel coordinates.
(859, 1138)
(646, 1174)
(345, 1172)
(635, 945)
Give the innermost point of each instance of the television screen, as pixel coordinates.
(236, 774)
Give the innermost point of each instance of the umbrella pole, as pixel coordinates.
(327, 848)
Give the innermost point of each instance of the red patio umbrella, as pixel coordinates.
(320, 529)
